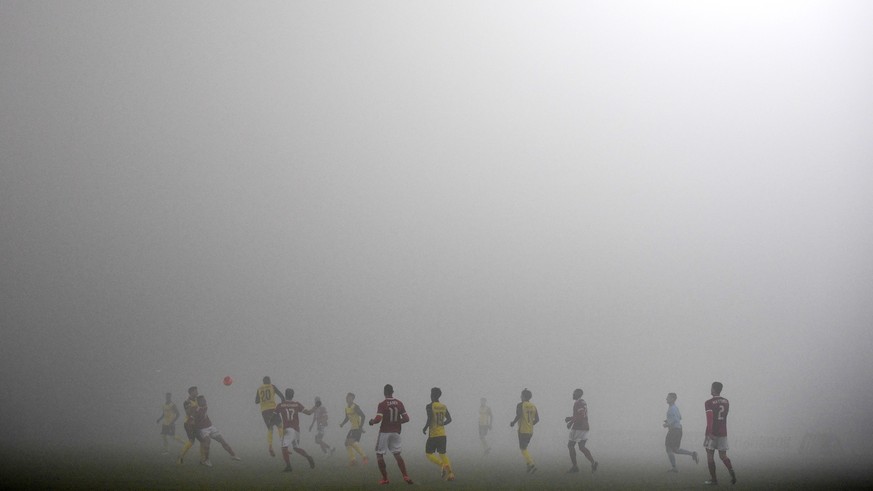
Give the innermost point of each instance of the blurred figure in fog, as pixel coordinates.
(484, 424)
(578, 426)
(289, 410)
(355, 417)
(526, 416)
(319, 419)
(435, 428)
(189, 405)
(716, 433)
(169, 415)
(673, 423)
(390, 415)
(208, 432)
(266, 397)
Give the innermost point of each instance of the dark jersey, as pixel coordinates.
(716, 416)
(393, 415)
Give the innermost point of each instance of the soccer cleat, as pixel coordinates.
(408, 480)
(594, 467)
(694, 458)
(573, 470)
(287, 468)
(234, 457)
(450, 477)
(384, 481)
(444, 471)
(531, 468)
(311, 461)
(711, 482)
(206, 462)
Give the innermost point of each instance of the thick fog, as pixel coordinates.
(633, 198)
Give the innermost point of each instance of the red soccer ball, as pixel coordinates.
(228, 380)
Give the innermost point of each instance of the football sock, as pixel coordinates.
(270, 437)
(357, 447)
(711, 465)
(286, 455)
(527, 458)
(185, 448)
(433, 458)
(727, 463)
(179, 439)
(382, 467)
(587, 454)
(672, 459)
(400, 463)
(573, 456)
(351, 452)
(301, 452)
(447, 462)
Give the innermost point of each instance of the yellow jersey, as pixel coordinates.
(435, 426)
(267, 396)
(528, 417)
(354, 416)
(170, 413)
(190, 405)
(484, 416)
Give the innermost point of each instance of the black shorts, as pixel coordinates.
(524, 440)
(168, 430)
(271, 418)
(673, 439)
(191, 432)
(435, 444)
(354, 435)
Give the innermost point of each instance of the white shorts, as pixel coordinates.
(291, 438)
(716, 443)
(210, 432)
(388, 442)
(578, 435)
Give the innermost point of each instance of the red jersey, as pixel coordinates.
(290, 413)
(201, 420)
(716, 416)
(580, 415)
(392, 414)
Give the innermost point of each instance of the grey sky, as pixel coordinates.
(631, 197)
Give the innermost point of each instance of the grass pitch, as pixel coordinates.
(137, 468)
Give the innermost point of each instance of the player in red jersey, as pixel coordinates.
(289, 411)
(207, 432)
(391, 414)
(578, 425)
(716, 433)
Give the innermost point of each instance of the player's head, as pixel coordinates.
(526, 394)
(389, 390)
(317, 401)
(577, 394)
(169, 397)
(671, 397)
(350, 398)
(716, 388)
(267, 380)
(192, 392)
(435, 394)
(289, 394)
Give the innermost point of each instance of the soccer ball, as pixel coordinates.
(228, 380)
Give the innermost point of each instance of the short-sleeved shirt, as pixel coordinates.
(674, 418)
(289, 411)
(719, 407)
(435, 427)
(170, 412)
(484, 416)
(353, 413)
(392, 412)
(580, 415)
(528, 416)
(267, 396)
(189, 405)
(320, 416)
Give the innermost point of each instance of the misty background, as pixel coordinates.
(633, 198)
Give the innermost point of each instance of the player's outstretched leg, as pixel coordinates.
(402, 465)
(306, 456)
(383, 469)
(286, 456)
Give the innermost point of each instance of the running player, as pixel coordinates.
(391, 414)
(484, 424)
(319, 417)
(716, 433)
(526, 416)
(437, 418)
(266, 397)
(578, 425)
(289, 411)
(208, 432)
(673, 441)
(355, 417)
(169, 415)
(189, 405)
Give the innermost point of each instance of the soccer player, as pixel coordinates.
(189, 405)
(526, 416)
(484, 424)
(355, 417)
(716, 433)
(673, 423)
(289, 411)
(437, 418)
(169, 415)
(320, 416)
(391, 414)
(578, 425)
(208, 432)
(266, 397)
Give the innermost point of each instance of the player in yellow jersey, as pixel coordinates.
(437, 418)
(484, 424)
(266, 397)
(169, 415)
(355, 418)
(526, 416)
(190, 407)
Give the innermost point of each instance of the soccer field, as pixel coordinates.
(116, 468)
